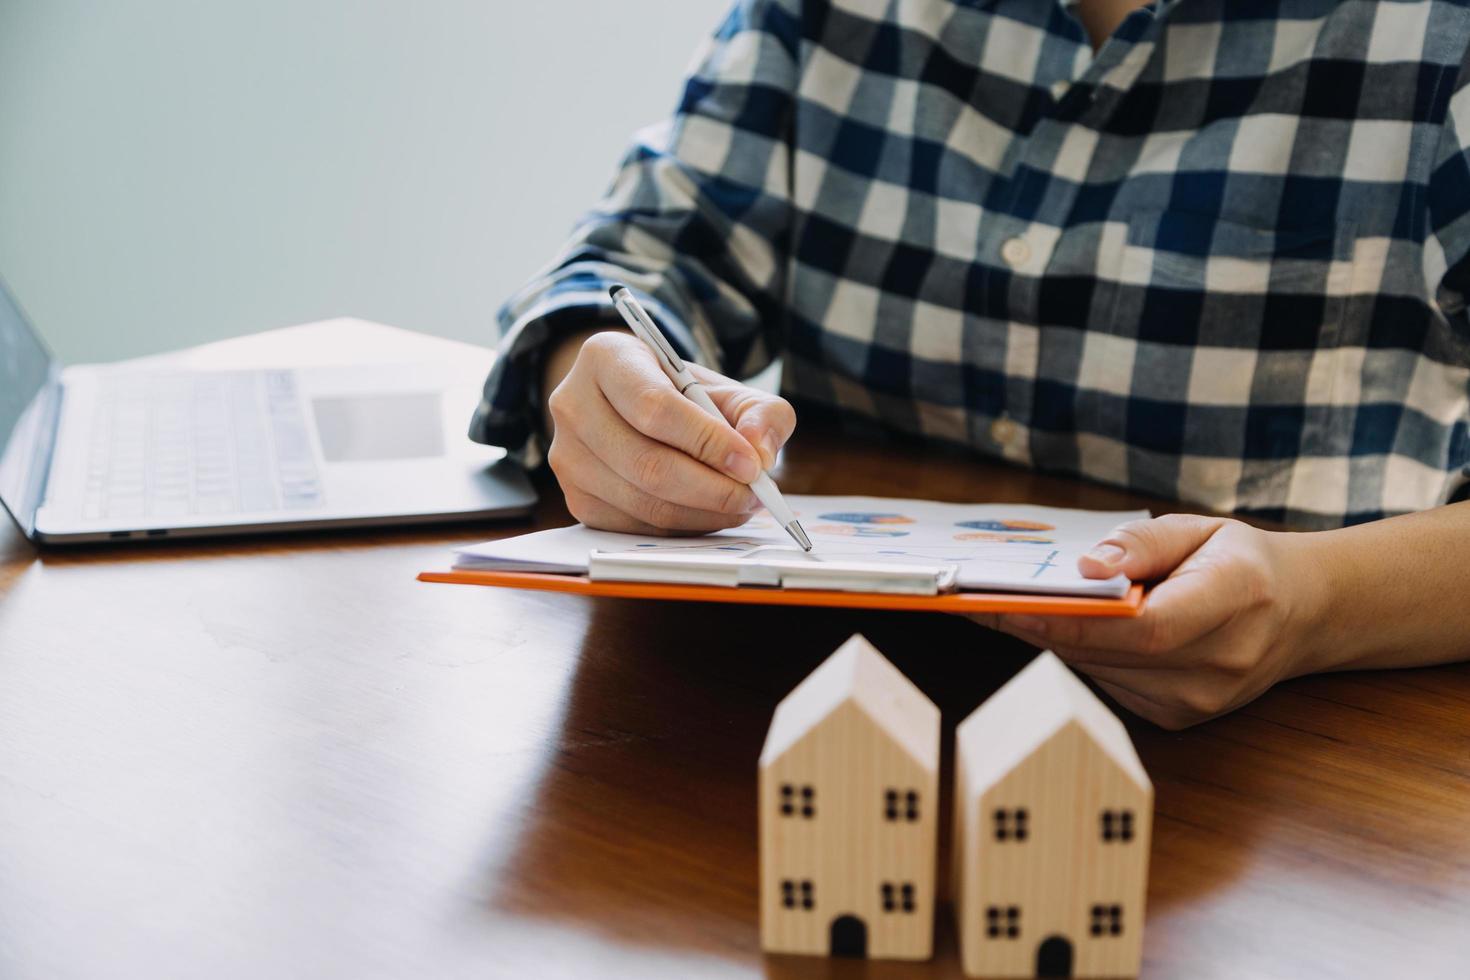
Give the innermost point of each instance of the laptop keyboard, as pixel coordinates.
(176, 445)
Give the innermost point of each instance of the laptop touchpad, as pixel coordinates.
(369, 427)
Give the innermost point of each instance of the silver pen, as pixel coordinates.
(647, 331)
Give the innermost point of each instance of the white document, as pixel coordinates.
(994, 547)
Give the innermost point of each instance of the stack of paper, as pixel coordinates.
(993, 547)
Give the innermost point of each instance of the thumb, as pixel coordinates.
(765, 420)
(1149, 549)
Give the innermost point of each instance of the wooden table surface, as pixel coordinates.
(286, 758)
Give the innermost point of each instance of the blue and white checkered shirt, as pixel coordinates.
(1223, 259)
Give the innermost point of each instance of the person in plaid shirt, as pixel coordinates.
(1216, 250)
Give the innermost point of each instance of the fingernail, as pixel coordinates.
(769, 448)
(742, 467)
(1026, 624)
(1108, 554)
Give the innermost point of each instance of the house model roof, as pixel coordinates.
(857, 672)
(1030, 708)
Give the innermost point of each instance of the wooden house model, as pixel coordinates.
(849, 786)
(1053, 812)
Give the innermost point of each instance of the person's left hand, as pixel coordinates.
(1232, 616)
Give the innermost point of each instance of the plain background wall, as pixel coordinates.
(176, 171)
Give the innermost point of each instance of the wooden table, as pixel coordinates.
(286, 758)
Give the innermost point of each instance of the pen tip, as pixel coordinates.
(796, 531)
(614, 290)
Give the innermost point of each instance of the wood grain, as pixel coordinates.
(1053, 877)
(857, 835)
(1037, 866)
(287, 758)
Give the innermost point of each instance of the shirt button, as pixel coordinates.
(1004, 431)
(1059, 89)
(1015, 251)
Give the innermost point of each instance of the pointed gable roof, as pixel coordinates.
(858, 673)
(1028, 709)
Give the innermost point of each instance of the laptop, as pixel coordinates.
(96, 453)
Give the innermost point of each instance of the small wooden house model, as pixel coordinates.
(1051, 836)
(849, 785)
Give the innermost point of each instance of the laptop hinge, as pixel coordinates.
(39, 478)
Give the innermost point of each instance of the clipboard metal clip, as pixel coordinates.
(741, 571)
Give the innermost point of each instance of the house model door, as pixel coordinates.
(1054, 958)
(849, 937)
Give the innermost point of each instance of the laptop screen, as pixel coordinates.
(27, 373)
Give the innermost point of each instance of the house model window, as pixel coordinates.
(898, 897)
(1003, 922)
(1107, 920)
(901, 806)
(797, 894)
(1117, 825)
(1011, 824)
(796, 800)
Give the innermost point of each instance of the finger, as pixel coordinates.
(1177, 701)
(641, 393)
(765, 420)
(1148, 549)
(604, 516)
(1162, 715)
(658, 469)
(1079, 657)
(1181, 611)
(580, 467)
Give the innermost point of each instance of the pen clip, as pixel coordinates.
(635, 314)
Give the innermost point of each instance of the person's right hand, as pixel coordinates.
(634, 454)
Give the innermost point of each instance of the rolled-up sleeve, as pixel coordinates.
(696, 223)
(1447, 253)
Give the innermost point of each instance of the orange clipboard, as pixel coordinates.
(1128, 606)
